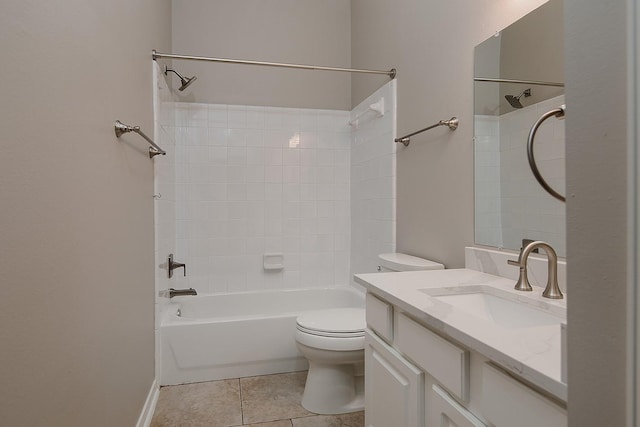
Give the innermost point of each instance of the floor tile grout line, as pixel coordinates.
(273, 375)
(241, 406)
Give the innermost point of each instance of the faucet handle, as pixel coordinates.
(172, 265)
(512, 262)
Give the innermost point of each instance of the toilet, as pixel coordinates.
(332, 340)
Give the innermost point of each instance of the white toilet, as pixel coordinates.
(332, 340)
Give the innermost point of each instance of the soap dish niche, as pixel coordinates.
(273, 261)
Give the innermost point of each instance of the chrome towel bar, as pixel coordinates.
(558, 113)
(452, 124)
(121, 128)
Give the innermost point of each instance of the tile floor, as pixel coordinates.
(265, 401)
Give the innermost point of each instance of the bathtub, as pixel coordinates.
(221, 336)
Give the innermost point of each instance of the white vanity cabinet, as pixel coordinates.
(508, 402)
(393, 387)
(415, 377)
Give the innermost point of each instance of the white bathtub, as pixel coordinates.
(222, 336)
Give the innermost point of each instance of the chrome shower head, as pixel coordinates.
(515, 100)
(185, 81)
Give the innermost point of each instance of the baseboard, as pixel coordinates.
(149, 406)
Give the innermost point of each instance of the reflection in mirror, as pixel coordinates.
(518, 77)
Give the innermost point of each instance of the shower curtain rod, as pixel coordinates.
(156, 55)
(526, 82)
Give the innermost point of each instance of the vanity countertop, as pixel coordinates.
(531, 353)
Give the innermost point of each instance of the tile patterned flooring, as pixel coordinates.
(265, 401)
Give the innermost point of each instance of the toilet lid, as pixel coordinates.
(404, 262)
(335, 322)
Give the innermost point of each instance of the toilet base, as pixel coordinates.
(333, 389)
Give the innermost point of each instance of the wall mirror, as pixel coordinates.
(518, 76)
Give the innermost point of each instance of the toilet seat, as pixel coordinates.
(338, 329)
(335, 322)
(331, 334)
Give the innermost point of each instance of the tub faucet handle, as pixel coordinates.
(172, 265)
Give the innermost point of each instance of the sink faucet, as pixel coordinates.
(552, 290)
(181, 292)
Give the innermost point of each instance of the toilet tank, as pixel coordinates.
(404, 262)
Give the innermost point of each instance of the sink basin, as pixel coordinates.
(509, 312)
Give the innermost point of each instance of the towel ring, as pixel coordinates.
(558, 113)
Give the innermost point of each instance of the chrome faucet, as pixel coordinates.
(552, 290)
(181, 292)
(172, 265)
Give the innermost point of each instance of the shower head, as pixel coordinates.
(515, 100)
(185, 81)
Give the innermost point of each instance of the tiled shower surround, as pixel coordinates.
(251, 181)
(510, 204)
(373, 181)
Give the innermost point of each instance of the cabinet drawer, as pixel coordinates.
(446, 362)
(380, 317)
(507, 402)
(443, 410)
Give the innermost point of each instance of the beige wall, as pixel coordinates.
(295, 31)
(533, 50)
(486, 63)
(76, 222)
(596, 124)
(432, 48)
(529, 49)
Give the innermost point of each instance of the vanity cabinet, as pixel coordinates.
(415, 377)
(393, 387)
(508, 402)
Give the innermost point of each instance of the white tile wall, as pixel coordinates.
(488, 223)
(524, 209)
(252, 180)
(242, 181)
(373, 182)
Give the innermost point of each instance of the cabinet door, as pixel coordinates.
(508, 402)
(393, 387)
(444, 411)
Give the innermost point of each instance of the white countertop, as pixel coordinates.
(533, 353)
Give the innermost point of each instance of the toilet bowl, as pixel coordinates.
(333, 342)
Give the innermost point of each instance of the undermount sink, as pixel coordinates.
(507, 310)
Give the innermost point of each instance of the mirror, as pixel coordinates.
(518, 75)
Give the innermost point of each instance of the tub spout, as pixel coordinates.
(181, 292)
